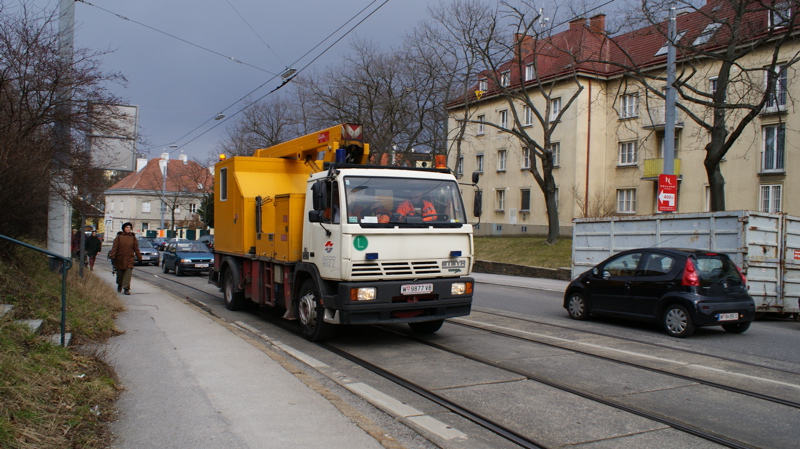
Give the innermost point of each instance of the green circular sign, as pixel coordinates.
(360, 243)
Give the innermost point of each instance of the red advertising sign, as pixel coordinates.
(667, 193)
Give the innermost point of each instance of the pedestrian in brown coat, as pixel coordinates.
(123, 254)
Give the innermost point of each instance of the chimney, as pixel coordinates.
(597, 24)
(140, 163)
(184, 158)
(577, 23)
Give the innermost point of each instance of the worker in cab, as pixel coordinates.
(367, 209)
(416, 206)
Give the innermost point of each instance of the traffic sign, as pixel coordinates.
(667, 193)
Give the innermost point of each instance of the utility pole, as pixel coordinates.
(669, 104)
(59, 211)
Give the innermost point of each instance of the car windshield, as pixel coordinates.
(376, 201)
(191, 247)
(715, 269)
(145, 244)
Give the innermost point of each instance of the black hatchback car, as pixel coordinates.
(679, 288)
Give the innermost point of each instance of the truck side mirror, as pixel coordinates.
(315, 216)
(477, 203)
(319, 196)
(476, 176)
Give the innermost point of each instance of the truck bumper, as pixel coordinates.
(392, 306)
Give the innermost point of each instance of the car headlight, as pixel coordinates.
(461, 288)
(363, 293)
(186, 260)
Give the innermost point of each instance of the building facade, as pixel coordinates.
(607, 149)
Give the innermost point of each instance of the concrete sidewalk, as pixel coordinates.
(191, 382)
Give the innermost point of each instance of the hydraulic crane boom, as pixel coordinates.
(340, 143)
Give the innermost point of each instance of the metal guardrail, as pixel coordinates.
(65, 265)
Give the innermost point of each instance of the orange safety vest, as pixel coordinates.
(428, 211)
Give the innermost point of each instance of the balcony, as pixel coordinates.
(654, 167)
(656, 118)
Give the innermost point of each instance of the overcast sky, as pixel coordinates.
(178, 86)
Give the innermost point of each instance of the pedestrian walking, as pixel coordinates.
(124, 252)
(92, 247)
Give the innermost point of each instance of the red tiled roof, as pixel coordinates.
(190, 177)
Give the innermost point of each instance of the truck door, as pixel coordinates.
(325, 235)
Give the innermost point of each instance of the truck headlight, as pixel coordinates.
(461, 288)
(363, 293)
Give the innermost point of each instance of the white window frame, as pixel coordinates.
(626, 201)
(777, 101)
(555, 108)
(505, 78)
(707, 198)
(193, 208)
(629, 106)
(707, 33)
(780, 15)
(530, 72)
(770, 197)
(122, 206)
(481, 125)
(522, 206)
(628, 153)
(460, 165)
(527, 114)
(111, 206)
(483, 84)
(526, 158)
(479, 162)
(773, 152)
(500, 198)
(504, 119)
(555, 150)
(502, 155)
(145, 207)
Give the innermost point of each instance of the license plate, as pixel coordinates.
(201, 265)
(728, 317)
(414, 289)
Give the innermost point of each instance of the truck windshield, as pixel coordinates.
(411, 201)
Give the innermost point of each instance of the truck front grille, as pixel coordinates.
(366, 269)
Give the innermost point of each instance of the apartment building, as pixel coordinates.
(607, 148)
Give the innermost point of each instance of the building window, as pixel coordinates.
(504, 119)
(479, 162)
(707, 33)
(122, 206)
(777, 99)
(505, 78)
(528, 115)
(111, 206)
(177, 210)
(525, 200)
(193, 208)
(145, 226)
(555, 151)
(707, 199)
(629, 106)
(526, 158)
(460, 166)
(771, 198)
(146, 206)
(223, 184)
(530, 72)
(555, 108)
(626, 201)
(483, 85)
(501, 199)
(627, 153)
(481, 125)
(780, 15)
(773, 155)
(501, 160)
(665, 47)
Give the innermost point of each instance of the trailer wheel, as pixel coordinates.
(426, 327)
(677, 321)
(233, 300)
(736, 328)
(311, 313)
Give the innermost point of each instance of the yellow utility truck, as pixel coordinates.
(309, 227)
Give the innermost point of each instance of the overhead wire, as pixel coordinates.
(254, 31)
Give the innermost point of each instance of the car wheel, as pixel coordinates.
(677, 321)
(311, 313)
(233, 300)
(426, 327)
(164, 267)
(736, 328)
(577, 307)
(178, 270)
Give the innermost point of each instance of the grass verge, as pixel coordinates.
(52, 396)
(530, 251)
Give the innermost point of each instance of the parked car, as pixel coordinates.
(679, 288)
(185, 257)
(207, 240)
(150, 255)
(159, 243)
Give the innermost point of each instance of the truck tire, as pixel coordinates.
(426, 327)
(233, 300)
(310, 313)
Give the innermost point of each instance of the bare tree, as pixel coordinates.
(31, 75)
(733, 57)
(264, 124)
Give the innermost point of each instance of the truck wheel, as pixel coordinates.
(426, 327)
(677, 321)
(233, 300)
(311, 313)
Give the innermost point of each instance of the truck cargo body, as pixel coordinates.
(765, 245)
(324, 242)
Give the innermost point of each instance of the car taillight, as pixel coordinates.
(690, 278)
(744, 279)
